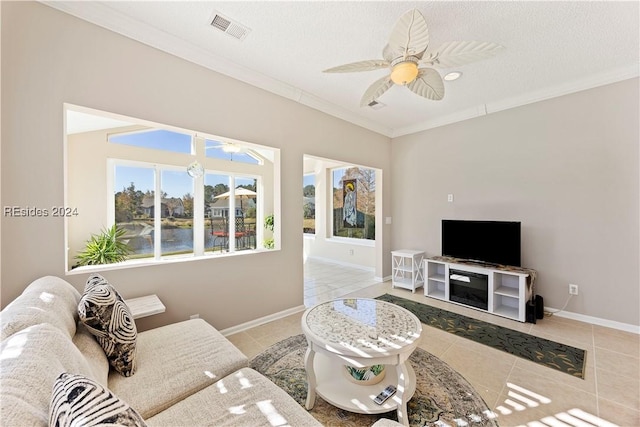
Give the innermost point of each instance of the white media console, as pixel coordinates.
(507, 288)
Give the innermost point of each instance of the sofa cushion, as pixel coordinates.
(106, 315)
(93, 353)
(49, 300)
(32, 359)
(244, 398)
(175, 361)
(78, 401)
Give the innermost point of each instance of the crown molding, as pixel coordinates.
(106, 17)
(596, 80)
(112, 20)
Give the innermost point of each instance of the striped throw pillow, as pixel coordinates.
(108, 318)
(79, 401)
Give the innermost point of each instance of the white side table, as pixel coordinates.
(145, 306)
(406, 271)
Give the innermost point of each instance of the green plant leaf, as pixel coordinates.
(104, 248)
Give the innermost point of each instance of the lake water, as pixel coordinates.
(176, 240)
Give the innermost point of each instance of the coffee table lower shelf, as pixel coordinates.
(336, 389)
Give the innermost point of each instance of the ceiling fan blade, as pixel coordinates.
(428, 84)
(409, 37)
(454, 54)
(376, 90)
(371, 64)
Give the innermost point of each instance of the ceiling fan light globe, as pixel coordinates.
(230, 148)
(404, 72)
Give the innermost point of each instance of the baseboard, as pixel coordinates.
(262, 320)
(595, 320)
(346, 264)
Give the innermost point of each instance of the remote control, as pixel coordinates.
(385, 394)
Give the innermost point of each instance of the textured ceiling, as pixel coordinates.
(551, 48)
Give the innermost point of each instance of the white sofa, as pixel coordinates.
(187, 374)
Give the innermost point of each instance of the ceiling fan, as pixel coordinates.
(407, 50)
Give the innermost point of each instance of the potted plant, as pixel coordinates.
(104, 248)
(269, 224)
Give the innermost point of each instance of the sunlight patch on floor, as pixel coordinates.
(521, 399)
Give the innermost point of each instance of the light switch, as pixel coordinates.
(450, 198)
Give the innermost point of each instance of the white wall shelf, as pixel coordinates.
(145, 306)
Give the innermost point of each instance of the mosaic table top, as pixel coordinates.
(366, 327)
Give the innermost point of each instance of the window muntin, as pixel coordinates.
(309, 204)
(354, 203)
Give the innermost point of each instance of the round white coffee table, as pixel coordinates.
(360, 332)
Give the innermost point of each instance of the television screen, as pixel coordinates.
(496, 242)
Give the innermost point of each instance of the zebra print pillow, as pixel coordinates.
(79, 401)
(108, 318)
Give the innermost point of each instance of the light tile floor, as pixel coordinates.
(324, 281)
(520, 392)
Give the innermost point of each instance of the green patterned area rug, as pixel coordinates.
(443, 397)
(570, 360)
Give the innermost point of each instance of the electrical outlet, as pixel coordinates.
(573, 289)
(194, 316)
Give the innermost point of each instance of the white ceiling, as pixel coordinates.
(551, 48)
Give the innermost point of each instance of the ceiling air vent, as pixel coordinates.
(229, 27)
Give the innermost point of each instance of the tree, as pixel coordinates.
(128, 203)
(252, 187)
(309, 190)
(219, 189)
(172, 204)
(187, 202)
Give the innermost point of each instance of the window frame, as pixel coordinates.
(331, 229)
(130, 155)
(307, 234)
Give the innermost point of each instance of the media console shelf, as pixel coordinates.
(507, 288)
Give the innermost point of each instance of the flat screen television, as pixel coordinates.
(493, 242)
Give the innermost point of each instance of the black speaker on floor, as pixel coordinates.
(534, 309)
(539, 307)
(530, 314)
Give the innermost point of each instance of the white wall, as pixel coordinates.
(63, 59)
(566, 167)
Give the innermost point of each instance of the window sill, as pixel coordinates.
(146, 262)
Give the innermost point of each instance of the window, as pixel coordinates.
(225, 194)
(309, 203)
(157, 139)
(354, 191)
(166, 213)
(134, 207)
